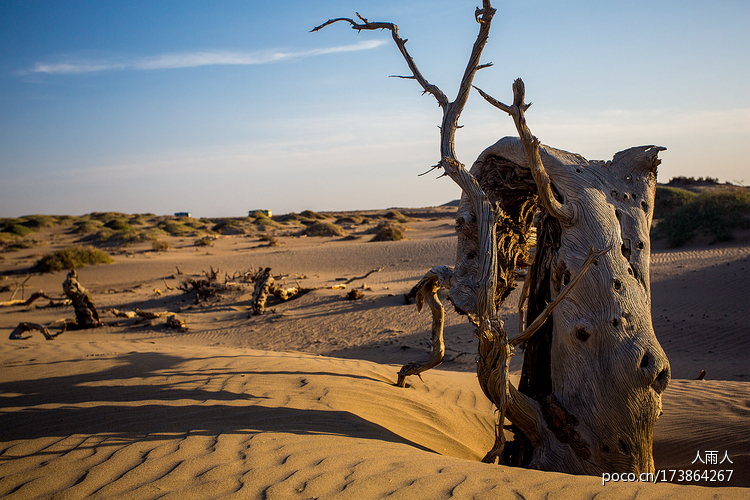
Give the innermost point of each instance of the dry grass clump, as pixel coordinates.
(270, 239)
(160, 246)
(389, 231)
(350, 219)
(325, 229)
(397, 216)
(309, 214)
(73, 257)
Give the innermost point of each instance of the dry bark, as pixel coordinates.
(593, 370)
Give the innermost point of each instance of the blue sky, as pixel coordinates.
(225, 106)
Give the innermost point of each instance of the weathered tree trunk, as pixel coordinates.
(86, 314)
(593, 371)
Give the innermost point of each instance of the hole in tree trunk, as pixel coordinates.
(645, 360)
(644, 206)
(617, 283)
(624, 446)
(582, 334)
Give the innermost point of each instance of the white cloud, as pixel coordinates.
(194, 59)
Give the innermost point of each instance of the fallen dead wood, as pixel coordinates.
(172, 320)
(265, 284)
(23, 327)
(365, 276)
(36, 295)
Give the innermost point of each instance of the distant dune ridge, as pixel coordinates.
(299, 402)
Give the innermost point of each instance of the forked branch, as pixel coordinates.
(401, 44)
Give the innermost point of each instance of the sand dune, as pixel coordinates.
(300, 402)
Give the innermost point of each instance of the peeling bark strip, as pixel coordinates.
(86, 314)
(593, 372)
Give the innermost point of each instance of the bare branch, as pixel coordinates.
(401, 44)
(562, 212)
(539, 321)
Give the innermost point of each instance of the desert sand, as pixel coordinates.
(300, 403)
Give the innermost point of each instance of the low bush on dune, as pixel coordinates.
(73, 257)
(175, 228)
(118, 225)
(711, 213)
(389, 231)
(309, 214)
(325, 229)
(17, 229)
(86, 227)
(349, 219)
(232, 225)
(668, 199)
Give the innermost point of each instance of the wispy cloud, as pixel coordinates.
(193, 59)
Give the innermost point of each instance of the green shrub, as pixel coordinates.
(713, 213)
(71, 258)
(668, 199)
(389, 231)
(325, 229)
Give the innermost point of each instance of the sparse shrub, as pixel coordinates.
(232, 225)
(325, 229)
(389, 231)
(205, 241)
(271, 239)
(20, 245)
(709, 213)
(73, 257)
(396, 215)
(160, 246)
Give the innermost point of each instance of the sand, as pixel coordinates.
(300, 402)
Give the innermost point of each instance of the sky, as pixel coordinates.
(222, 107)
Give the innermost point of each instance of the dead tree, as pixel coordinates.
(86, 313)
(593, 371)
